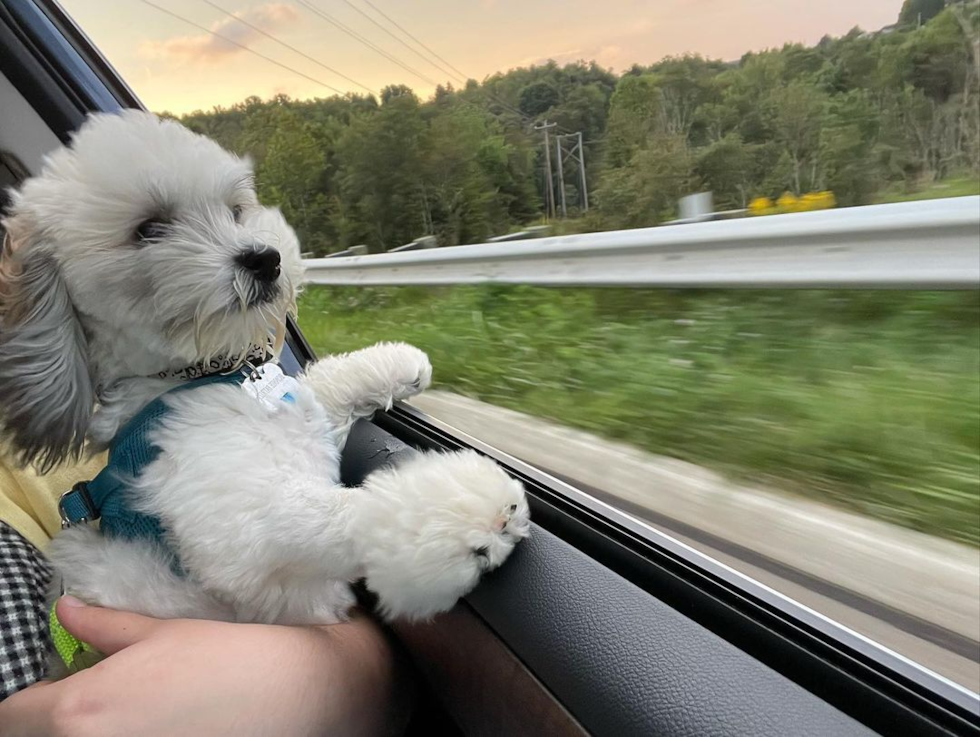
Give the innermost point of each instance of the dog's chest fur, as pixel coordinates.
(229, 467)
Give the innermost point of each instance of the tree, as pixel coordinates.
(538, 98)
(916, 12)
(853, 114)
(803, 62)
(683, 84)
(380, 157)
(290, 176)
(394, 91)
(633, 113)
(846, 149)
(725, 168)
(584, 109)
(797, 116)
(462, 157)
(645, 192)
(938, 58)
(852, 63)
(747, 91)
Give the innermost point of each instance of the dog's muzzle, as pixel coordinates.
(262, 263)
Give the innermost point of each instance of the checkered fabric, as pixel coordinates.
(24, 645)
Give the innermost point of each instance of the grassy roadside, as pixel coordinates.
(867, 400)
(958, 186)
(954, 187)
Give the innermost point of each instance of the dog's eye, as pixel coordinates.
(236, 212)
(150, 230)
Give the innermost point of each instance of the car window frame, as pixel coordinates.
(861, 678)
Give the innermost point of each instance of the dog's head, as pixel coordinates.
(139, 248)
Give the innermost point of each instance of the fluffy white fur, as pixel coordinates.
(250, 495)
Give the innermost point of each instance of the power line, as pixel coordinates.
(510, 108)
(286, 45)
(418, 54)
(463, 77)
(243, 47)
(460, 76)
(400, 28)
(355, 35)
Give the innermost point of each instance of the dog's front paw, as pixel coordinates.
(415, 371)
(405, 368)
(431, 526)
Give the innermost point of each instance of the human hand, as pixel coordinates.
(197, 677)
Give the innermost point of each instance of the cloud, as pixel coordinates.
(204, 47)
(608, 55)
(558, 56)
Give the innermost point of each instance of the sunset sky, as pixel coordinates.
(175, 66)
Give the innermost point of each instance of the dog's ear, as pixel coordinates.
(46, 393)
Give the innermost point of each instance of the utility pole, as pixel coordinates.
(561, 176)
(581, 169)
(576, 154)
(549, 192)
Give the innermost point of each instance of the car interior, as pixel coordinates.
(598, 624)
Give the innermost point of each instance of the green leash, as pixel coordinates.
(76, 654)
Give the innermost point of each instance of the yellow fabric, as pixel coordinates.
(29, 502)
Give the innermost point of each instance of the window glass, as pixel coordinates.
(825, 443)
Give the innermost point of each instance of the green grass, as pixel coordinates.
(868, 400)
(960, 186)
(957, 187)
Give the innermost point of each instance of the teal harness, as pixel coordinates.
(108, 496)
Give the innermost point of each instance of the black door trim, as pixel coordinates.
(877, 687)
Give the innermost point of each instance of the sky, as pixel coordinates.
(179, 67)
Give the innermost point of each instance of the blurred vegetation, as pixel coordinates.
(953, 187)
(868, 116)
(870, 401)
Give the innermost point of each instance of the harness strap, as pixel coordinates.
(129, 451)
(76, 506)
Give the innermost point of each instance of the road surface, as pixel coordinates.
(916, 594)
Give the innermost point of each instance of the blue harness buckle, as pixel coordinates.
(76, 506)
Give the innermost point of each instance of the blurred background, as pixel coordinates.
(827, 443)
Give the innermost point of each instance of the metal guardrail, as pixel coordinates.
(535, 231)
(426, 241)
(932, 244)
(352, 251)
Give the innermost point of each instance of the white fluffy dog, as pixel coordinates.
(141, 250)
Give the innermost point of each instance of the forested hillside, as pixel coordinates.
(892, 111)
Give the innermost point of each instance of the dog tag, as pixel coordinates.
(271, 386)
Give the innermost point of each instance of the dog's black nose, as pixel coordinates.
(264, 263)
